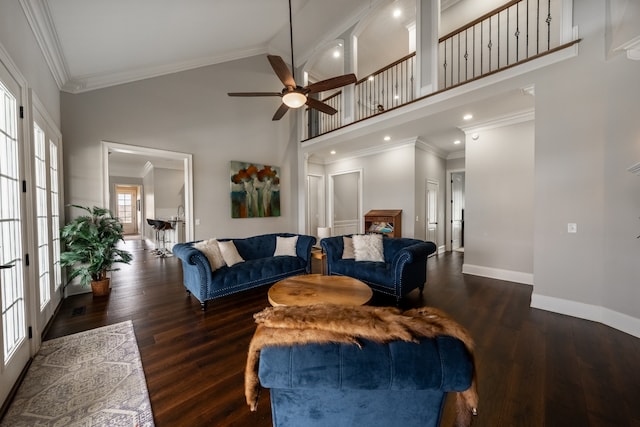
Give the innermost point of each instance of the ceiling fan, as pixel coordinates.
(293, 95)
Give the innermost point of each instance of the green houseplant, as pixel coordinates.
(91, 248)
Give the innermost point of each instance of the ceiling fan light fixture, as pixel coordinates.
(294, 99)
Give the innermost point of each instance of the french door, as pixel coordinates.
(45, 156)
(126, 208)
(15, 351)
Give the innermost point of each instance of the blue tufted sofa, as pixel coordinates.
(395, 384)
(403, 270)
(259, 268)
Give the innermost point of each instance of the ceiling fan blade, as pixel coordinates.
(321, 106)
(282, 71)
(331, 83)
(254, 94)
(280, 112)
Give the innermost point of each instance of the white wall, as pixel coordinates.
(387, 185)
(587, 135)
(188, 112)
(168, 192)
(499, 203)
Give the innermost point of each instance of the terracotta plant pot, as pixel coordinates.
(100, 288)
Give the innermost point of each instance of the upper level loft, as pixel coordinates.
(409, 50)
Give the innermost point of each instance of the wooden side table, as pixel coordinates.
(318, 261)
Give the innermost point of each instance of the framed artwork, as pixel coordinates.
(255, 190)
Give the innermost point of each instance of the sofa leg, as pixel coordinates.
(188, 292)
(203, 305)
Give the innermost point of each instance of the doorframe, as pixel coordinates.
(448, 214)
(186, 158)
(322, 190)
(360, 198)
(435, 182)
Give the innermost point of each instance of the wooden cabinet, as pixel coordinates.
(384, 221)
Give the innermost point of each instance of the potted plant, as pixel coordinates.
(91, 248)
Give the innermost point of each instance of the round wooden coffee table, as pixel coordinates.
(311, 289)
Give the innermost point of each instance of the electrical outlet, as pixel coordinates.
(417, 220)
(572, 227)
(197, 221)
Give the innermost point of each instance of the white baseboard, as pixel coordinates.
(497, 273)
(441, 249)
(614, 319)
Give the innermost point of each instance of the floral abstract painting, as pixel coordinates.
(255, 190)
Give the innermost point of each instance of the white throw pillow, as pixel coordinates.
(368, 247)
(286, 246)
(230, 253)
(211, 250)
(347, 252)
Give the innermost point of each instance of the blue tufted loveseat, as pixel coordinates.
(403, 270)
(394, 384)
(259, 268)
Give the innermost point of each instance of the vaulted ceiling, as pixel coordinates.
(91, 44)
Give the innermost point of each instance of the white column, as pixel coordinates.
(428, 21)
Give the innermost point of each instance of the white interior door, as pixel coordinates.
(346, 203)
(432, 211)
(457, 210)
(15, 351)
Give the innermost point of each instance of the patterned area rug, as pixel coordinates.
(92, 378)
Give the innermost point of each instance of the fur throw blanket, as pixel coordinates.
(326, 323)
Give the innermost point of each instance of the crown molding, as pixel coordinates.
(507, 120)
(378, 149)
(456, 155)
(632, 48)
(39, 19)
(425, 146)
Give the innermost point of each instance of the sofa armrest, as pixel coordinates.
(303, 247)
(193, 259)
(416, 252)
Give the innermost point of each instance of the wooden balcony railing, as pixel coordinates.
(512, 33)
(515, 33)
(319, 123)
(387, 88)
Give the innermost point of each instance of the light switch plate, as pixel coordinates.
(572, 227)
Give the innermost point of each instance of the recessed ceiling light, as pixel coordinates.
(475, 136)
(456, 142)
(333, 151)
(387, 138)
(397, 12)
(336, 53)
(467, 117)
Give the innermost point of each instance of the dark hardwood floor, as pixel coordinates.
(535, 368)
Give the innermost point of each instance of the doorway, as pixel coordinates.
(457, 211)
(345, 198)
(433, 190)
(185, 158)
